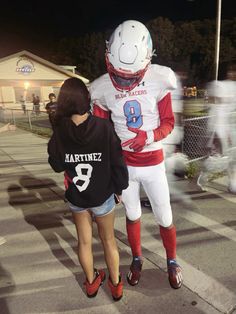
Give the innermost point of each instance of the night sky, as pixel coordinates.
(37, 24)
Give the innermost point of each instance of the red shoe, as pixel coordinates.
(175, 274)
(134, 274)
(116, 291)
(92, 288)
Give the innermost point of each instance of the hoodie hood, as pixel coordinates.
(75, 134)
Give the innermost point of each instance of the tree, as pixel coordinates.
(184, 46)
(162, 31)
(91, 60)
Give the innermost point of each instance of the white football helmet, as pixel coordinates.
(129, 52)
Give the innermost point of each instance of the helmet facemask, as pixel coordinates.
(124, 81)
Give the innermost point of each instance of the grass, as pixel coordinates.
(192, 170)
(44, 132)
(194, 108)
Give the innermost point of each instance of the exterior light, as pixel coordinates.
(26, 85)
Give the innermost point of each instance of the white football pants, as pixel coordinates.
(154, 182)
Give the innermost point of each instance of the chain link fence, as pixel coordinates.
(29, 119)
(195, 129)
(196, 140)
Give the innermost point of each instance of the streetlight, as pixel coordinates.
(217, 38)
(217, 41)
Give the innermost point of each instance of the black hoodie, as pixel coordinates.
(91, 155)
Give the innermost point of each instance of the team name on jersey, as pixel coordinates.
(83, 157)
(131, 93)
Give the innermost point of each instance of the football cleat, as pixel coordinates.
(92, 288)
(175, 274)
(134, 274)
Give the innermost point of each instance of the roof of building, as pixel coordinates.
(61, 69)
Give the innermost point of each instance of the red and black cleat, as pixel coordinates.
(92, 288)
(134, 274)
(116, 291)
(175, 274)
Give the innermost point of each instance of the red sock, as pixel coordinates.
(169, 241)
(134, 237)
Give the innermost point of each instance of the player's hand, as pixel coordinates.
(138, 142)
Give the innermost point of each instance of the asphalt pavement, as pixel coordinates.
(39, 269)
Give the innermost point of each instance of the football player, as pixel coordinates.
(136, 96)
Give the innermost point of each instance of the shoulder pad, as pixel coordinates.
(98, 86)
(97, 89)
(166, 75)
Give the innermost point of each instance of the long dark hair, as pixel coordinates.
(73, 98)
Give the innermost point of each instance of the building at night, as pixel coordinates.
(23, 74)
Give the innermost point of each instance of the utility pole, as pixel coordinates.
(217, 41)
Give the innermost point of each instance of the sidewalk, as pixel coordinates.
(39, 269)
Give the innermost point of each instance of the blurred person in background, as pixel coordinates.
(221, 128)
(23, 103)
(36, 104)
(51, 107)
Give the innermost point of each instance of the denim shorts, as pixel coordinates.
(98, 211)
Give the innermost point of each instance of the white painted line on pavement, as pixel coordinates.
(208, 223)
(226, 195)
(26, 291)
(34, 242)
(105, 309)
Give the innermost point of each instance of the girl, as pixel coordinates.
(88, 150)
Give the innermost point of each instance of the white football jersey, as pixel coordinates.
(137, 108)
